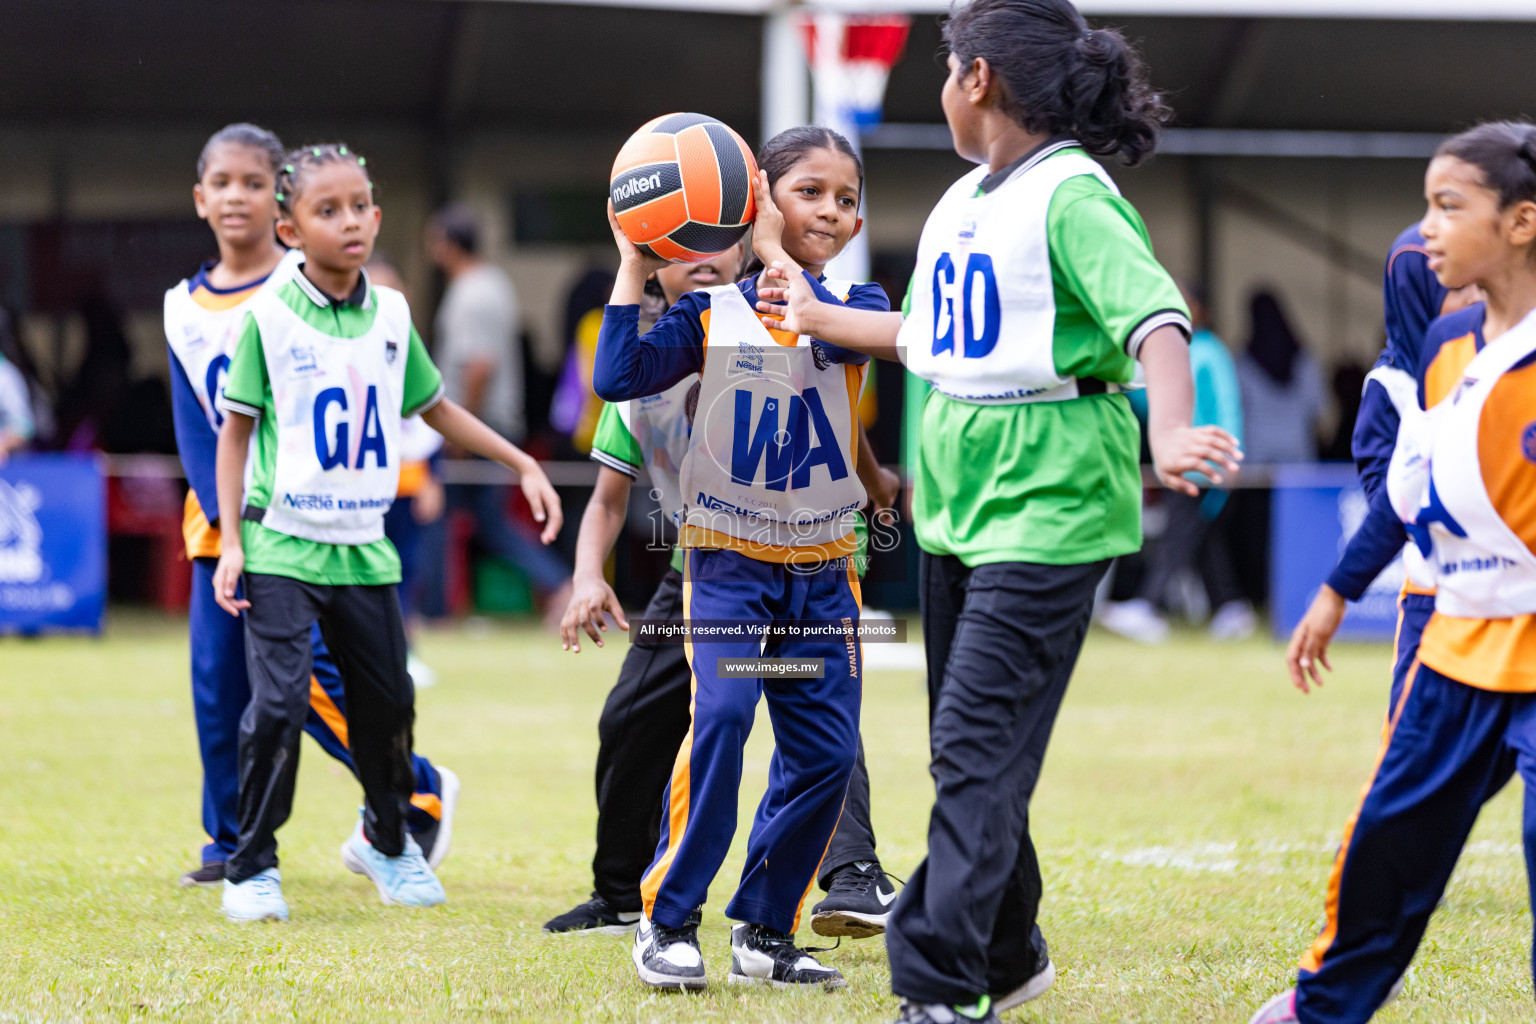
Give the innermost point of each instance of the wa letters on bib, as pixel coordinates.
(771, 458)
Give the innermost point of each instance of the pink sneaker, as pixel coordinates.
(1279, 1010)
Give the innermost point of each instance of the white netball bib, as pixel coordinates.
(659, 425)
(338, 420)
(771, 456)
(1403, 391)
(982, 320)
(1483, 569)
(203, 340)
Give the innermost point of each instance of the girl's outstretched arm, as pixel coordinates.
(858, 330)
(1177, 447)
(457, 425)
(591, 595)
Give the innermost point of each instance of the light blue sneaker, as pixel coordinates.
(258, 898)
(405, 880)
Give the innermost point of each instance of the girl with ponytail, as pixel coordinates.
(1035, 297)
(1459, 485)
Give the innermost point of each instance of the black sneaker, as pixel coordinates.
(762, 956)
(669, 957)
(858, 902)
(594, 917)
(939, 1013)
(1038, 985)
(211, 873)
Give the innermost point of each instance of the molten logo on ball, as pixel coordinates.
(633, 185)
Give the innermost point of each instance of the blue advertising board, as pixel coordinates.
(1315, 510)
(53, 543)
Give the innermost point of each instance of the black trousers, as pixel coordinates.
(362, 628)
(1002, 640)
(642, 725)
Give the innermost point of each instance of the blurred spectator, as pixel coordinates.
(1282, 399)
(478, 347)
(1194, 537)
(1348, 388)
(576, 407)
(18, 422)
(478, 351)
(1282, 390)
(104, 407)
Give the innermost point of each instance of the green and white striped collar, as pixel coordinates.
(361, 297)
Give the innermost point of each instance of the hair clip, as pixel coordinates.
(361, 161)
(342, 150)
(280, 196)
(317, 151)
(287, 168)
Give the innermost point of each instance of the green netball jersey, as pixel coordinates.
(249, 390)
(1051, 482)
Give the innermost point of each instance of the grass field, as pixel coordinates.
(1186, 820)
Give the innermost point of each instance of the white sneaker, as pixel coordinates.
(1135, 620)
(669, 957)
(1234, 620)
(424, 676)
(258, 898)
(403, 881)
(448, 781)
(1038, 985)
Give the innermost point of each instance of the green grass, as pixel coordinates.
(1186, 821)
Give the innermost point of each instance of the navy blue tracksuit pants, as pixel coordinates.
(220, 691)
(815, 727)
(1449, 748)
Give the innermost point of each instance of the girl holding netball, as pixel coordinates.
(769, 491)
(1035, 296)
(325, 369)
(1461, 479)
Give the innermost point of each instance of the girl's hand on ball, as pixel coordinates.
(768, 225)
(628, 251)
(1208, 450)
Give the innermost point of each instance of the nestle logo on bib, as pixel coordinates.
(628, 188)
(1528, 442)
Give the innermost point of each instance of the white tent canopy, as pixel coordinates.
(1432, 10)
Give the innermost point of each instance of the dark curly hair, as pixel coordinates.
(1061, 77)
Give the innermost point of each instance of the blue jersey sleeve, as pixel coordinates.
(628, 366)
(196, 441)
(1411, 299)
(1374, 437)
(1380, 537)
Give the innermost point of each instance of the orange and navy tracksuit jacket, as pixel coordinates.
(1462, 726)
